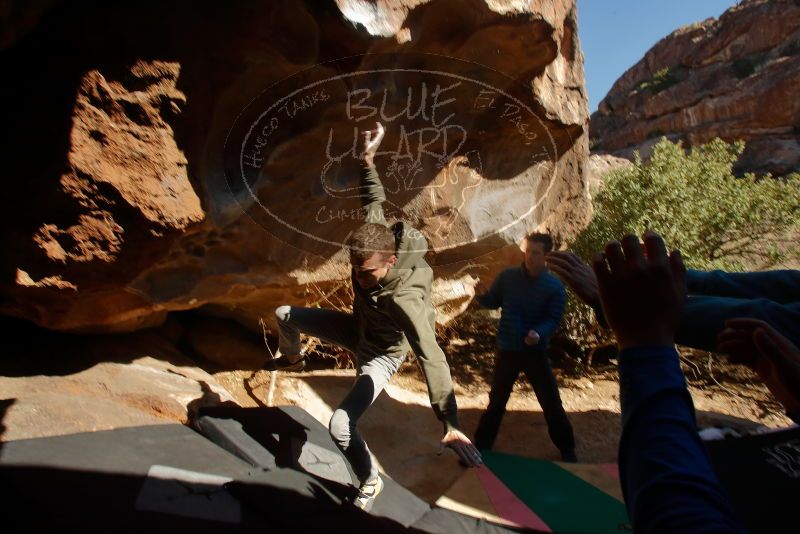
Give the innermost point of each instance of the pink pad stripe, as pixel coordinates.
(611, 469)
(507, 505)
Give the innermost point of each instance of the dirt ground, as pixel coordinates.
(403, 433)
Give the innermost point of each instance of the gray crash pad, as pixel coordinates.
(288, 437)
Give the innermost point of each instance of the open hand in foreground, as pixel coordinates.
(463, 447)
(575, 272)
(774, 358)
(642, 291)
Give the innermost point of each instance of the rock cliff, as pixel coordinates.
(735, 77)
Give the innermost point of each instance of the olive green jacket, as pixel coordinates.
(397, 314)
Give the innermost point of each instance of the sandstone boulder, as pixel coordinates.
(182, 155)
(109, 382)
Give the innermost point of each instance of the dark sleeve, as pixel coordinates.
(372, 195)
(666, 475)
(493, 298)
(703, 318)
(552, 312)
(781, 286)
(412, 315)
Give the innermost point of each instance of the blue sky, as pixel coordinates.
(615, 34)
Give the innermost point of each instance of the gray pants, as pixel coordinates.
(340, 329)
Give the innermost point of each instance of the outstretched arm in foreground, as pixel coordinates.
(704, 316)
(666, 476)
(781, 286)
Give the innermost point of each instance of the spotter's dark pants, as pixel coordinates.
(536, 366)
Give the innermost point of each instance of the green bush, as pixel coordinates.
(717, 220)
(662, 79)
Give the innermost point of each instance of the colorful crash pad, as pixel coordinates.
(541, 495)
